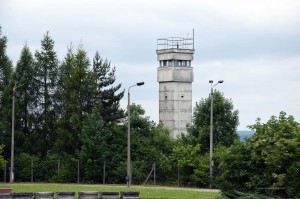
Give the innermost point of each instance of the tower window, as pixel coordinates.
(182, 96)
(188, 63)
(166, 97)
(179, 63)
(164, 63)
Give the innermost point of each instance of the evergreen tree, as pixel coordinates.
(73, 100)
(5, 95)
(25, 101)
(94, 150)
(5, 65)
(46, 67)
(66, 135)
(106, 96)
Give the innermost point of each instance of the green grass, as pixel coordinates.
(152, 192)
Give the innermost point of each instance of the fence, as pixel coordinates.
(73, 172)
(70, 195)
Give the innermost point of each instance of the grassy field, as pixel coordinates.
(152, 192)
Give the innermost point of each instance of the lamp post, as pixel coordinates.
(211, 163)
(13, 134)
(128, 178)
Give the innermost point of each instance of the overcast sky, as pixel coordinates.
(253, 45)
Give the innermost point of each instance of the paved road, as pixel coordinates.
(179, 188)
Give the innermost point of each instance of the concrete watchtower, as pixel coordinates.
(175, 76)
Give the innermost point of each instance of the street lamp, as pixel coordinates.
(13, 134)
(128, 178)
(211, 163)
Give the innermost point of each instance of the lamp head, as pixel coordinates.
(220, 81)
(211, 81)
(140, 83)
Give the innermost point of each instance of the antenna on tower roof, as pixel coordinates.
(193, 40)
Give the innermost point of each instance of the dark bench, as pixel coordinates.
(130, 195)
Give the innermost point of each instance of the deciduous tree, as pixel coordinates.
(267, 163)
(225, 121)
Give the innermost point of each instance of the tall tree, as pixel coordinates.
(5, 93)
(73, 94)
(225, 121)
(66, 137)
(107, 96)
(196, 142)
(5, 65)
(46, 67)
(25, 100)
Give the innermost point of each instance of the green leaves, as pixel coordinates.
(2, 161)
(225, 121)
(266, 161)
(93, 152)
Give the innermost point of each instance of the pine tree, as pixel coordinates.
(46, 67)
(65, 134)
(73, 100)
(107, 96)
(25, 100)
(5, 94)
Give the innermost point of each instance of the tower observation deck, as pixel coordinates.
(175, 76)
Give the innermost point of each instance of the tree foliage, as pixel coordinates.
(73, 90)
(46, 67)
(225, 121)
(150, 143)
(5, 93)
(191, 151)
(2, 160)
(25, 102)
(52, 103)
(107, 96)
(94, 147)
(268, 162)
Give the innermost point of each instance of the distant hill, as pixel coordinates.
(244, 134)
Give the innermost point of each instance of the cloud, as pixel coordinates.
(259, 87)
(252, 45)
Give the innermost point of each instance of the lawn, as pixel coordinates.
(148, 192)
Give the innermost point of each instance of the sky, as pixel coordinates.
(253, 45)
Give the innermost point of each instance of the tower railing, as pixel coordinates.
(175, 43)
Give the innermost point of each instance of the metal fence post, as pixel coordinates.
(104, 172)
(78, 172)
(31, 170)
(58, 165)
(178, 174)
(154, 173)
(4, 171)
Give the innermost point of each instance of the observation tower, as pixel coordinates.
(175, 76)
